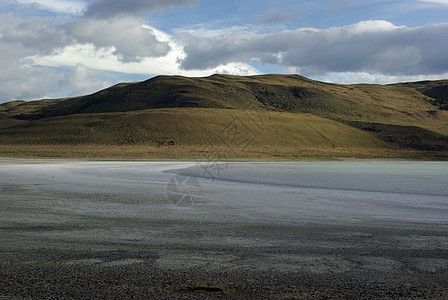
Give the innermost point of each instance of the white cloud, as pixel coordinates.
(106, 59)
(364, 77)
(63, 6)
(18, 40)
(95, 43)
(33, 35)
(81, 81)
(19, 80)
(104, 37)
(204, 31)
(369, 26)
(127, 36)
(368, 46)
(444, 2)
(24, 82)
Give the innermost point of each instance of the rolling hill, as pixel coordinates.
(225, 116)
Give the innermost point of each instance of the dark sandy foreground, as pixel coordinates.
(139, 272)
(106, 230)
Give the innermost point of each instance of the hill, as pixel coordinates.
(232, 117)
(437, 91)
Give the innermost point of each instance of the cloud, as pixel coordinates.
(62, 6)
(376, 78)
(111, 8)
(368, 46)
(106, 59)
(33, 50)
(73, 53)
(39, 35)
(444, 2)
(19, 81)
(204, 31)
(19, 39)
(106, 8)
(81, 81)
(275, 16)
(22, 40)
(130, 40)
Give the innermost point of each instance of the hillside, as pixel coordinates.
(230, 117)
(437, 91)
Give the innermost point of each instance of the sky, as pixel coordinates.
(64, 48)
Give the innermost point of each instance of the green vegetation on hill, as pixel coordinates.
(256, 116)
(437, 91)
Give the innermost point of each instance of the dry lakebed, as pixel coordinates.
(237, 230)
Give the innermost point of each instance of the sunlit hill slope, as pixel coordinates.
(224, 116)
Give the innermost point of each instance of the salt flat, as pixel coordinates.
(212, 229)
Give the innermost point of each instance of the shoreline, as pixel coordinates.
(6, 159)
(212, 152)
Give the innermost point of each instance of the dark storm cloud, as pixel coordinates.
(371, 46)
(110, 8)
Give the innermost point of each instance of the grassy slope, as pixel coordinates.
(437, 91)
(280, 115)
(202, 129)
